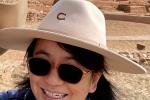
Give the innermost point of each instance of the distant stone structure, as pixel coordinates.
(108, 5)
(137, 7)
(39, 8)
(13, 13)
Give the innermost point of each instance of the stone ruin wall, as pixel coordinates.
(39, 8)
(136, 7)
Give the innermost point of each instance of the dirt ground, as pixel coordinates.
(124, 28)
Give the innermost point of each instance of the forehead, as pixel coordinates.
(51, 47)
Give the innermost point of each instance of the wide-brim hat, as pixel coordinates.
(75, 22)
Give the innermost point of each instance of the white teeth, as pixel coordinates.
(54, 95)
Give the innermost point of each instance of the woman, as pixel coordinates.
(66, 56)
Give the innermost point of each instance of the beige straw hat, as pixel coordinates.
(74, 22)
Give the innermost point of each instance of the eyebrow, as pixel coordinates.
(42, 52)
(47, 54)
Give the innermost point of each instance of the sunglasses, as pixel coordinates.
(66, 72)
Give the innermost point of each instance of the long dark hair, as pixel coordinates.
(90, 60)
(54, 2)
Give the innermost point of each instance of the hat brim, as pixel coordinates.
(19, 39)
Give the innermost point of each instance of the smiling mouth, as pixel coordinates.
(54, 95)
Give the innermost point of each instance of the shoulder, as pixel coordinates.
(12, 94)
(5, 95)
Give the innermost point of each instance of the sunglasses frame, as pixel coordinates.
(84, 73)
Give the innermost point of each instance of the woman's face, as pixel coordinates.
(51, 86)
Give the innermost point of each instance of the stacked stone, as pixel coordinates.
(138, 2)
(124, 5)
(109, 5)
(137, 7)
(38, 9)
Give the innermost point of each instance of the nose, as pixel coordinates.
(53, 78)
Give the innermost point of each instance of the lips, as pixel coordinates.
(54, 95)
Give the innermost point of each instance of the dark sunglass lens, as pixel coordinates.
(70, 73)
(39, 66)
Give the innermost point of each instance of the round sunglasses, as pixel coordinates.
(66, 72)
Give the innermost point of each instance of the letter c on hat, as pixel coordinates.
(61, 16)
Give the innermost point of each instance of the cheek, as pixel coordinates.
(80, 90)
(35, 85)
(34, 80)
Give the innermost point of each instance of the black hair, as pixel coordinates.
(54, 2)
(87, 58)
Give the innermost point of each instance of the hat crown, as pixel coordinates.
(78, 19)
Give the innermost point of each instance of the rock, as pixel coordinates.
(124, 7)
(148, 55)
(142, 61)
(125, 54)
(140, 47)
(32, 15)
(136, 57)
